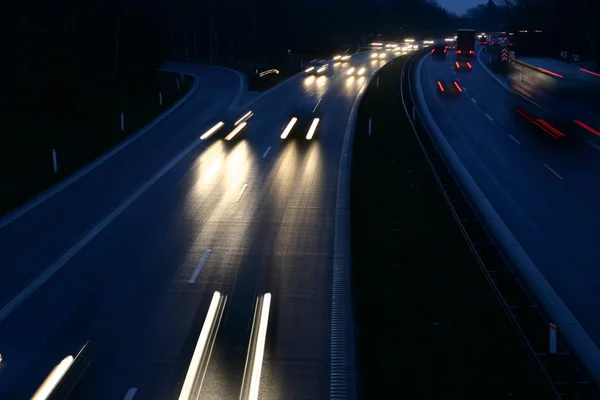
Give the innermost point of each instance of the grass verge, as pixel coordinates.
(428, 324)
(82, 133)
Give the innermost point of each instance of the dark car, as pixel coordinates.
(450, 88)
(304, 123)
(439, 51)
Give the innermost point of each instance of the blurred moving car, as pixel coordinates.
(304, 123)
(342, 58)
(356, 71)
(318, 68)
(439, 51)
(463, 65)
(449, 88)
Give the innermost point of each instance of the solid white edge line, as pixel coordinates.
(553, 172)
(200, 266)
(242, 192)
(577, 338)
(58, 264)
(266, 152)
(130, 394)
(209, 322)
(342, 384)
(514, 138)
(260, 347)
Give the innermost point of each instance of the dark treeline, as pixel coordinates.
(571, 25)
(57, 51)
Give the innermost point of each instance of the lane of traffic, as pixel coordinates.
(160, 253)
(553, 219)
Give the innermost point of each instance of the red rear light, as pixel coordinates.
(589, 128)
(469, 65)
(440, 85)
(432, 50)
(470, 51)
(444, 50)
(549, 72)
(589, 72)
(458, 51)
(458, 87)
(457, 65)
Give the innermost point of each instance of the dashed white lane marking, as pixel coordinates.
(473, 100)
(490, 118)
(266, 152)
(514, 138)
(200, 266)
(242, 192)
(553, 172)
(130, 393)
(594, 145)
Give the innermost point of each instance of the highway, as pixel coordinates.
(544, 190)
(130, 256)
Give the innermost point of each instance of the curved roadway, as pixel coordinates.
(137, 247)
(545, 190)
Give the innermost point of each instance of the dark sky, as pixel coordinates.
(459, 6)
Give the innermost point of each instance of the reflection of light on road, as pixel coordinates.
(321, 81)
(212, 170)
(309, 80)
(236, 169)
(350, 81)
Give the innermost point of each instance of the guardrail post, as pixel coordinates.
(552, 339)
(489, 59)
(370, 125)
(54, 161)
(160, 98)
(122, 122)
(301, 64)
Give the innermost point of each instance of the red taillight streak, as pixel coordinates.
(549, 129)
(589, 72)
(458, 87)
(444, 50)
(469, 65)
(589, 128)
(432, 50)
(549, 72)
(457, 65)
(440, 85)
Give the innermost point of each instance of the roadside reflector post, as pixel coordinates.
(377, 81)
(177, 81)
(552, 339)
(370, 125)
(489, 59)
(414, 114)
(301, 64)
(122, 122)
(54, 162)
(160, 98)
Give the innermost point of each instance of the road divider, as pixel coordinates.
(195, 374)
(256, 349)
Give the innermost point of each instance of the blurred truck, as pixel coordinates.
(465, 43)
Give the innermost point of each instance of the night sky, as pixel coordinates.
(459, 6)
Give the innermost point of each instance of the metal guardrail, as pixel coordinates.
(564, 375)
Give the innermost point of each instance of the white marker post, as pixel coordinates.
(54, 162)
(301, 64)
(122, 122)
(414, 114)
(370, 125)
(377, 81)
(160, 98)
(177, 81)
(489, 59)
(552, 339)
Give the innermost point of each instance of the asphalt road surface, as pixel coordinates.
(545, 190)
(138, 247)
